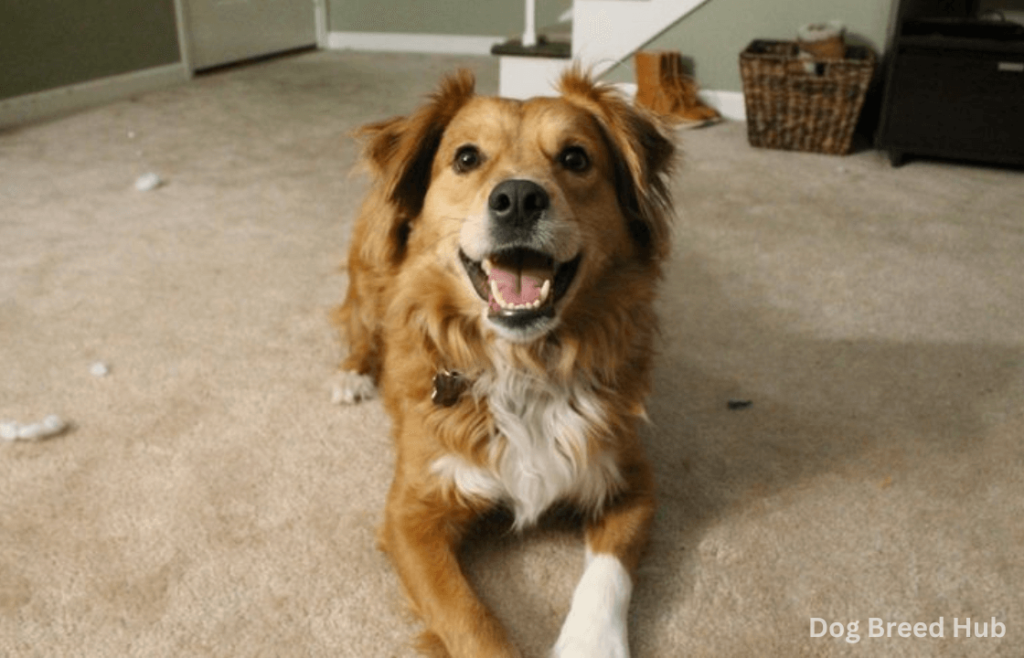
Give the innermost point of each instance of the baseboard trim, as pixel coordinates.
(64, 100)
(730, 104)
(403, 42)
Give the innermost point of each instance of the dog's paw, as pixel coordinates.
(596, 625)
(590, 633)
(348, 387)
(592, 646)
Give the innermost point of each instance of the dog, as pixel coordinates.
(502, 277)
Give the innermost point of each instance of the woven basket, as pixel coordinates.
(801, 104)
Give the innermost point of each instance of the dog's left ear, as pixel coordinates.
(400, 150)
(643, 155)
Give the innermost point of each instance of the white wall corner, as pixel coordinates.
(526, 77)
(401, 42)
(730, 104)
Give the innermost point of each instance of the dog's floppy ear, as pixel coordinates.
(400, 150)
(643, 155)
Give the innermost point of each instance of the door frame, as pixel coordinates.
(185, 39)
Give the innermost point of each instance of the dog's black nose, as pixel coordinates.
(517, 203)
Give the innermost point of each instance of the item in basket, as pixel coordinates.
(822, 40)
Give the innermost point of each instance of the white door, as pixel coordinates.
(226, 31)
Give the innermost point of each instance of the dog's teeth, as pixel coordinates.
(497, 295)
(486, 265)
(545, 290)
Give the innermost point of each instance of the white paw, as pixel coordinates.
(591, 647)
(596, 625)
(349, 387)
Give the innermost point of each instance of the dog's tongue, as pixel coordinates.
(519, 280)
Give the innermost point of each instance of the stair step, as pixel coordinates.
(549, 48)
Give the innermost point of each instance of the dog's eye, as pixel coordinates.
(467, 158)
(574, 158)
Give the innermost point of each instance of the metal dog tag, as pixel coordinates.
(448, 388)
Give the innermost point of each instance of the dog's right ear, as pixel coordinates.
(400, 150)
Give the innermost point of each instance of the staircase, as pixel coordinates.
(603, 33)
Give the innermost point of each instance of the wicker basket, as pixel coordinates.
(801, 104)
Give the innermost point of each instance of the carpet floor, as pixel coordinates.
(208, 500)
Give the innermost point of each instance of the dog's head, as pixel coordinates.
(525, 206)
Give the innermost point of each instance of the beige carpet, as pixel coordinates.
(207, 499)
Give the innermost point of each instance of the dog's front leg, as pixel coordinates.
(596, 626)
(421, 534)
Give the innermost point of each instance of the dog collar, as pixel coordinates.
(449, 385)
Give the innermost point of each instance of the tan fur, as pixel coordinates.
(410, 312)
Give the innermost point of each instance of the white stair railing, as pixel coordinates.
(605, 32)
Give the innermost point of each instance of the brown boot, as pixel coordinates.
(664, 88)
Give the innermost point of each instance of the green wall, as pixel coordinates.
(712, 36)
(715, 34)
(45, 44)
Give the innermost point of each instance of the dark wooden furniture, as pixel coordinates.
(954, 85)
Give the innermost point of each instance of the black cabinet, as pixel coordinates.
(954, 89)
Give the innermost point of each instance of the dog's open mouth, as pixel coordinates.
(519, 284)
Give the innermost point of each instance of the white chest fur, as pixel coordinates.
(542, 452)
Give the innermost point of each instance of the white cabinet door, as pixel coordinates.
(226, 31)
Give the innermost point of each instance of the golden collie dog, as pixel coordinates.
(502, 276)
